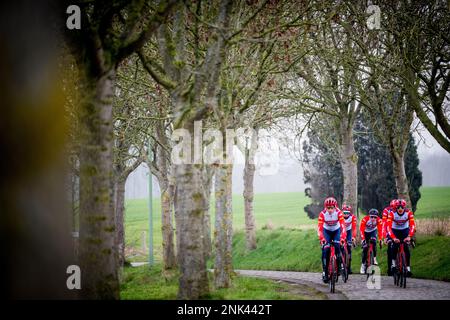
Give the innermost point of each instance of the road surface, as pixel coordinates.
(356, 287)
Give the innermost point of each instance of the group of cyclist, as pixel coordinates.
(337, 227)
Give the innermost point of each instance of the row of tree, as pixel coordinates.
(376, 182)
(147, 70)
(349, 68)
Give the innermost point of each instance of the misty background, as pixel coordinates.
(434, 164)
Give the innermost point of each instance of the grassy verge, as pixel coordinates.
(434, 203)
(144, 283)
(275, 209)
(298, 250)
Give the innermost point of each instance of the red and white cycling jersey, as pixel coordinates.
(350, 224)
(331, 222)
(369, 225)
(386, 212)
(401, 222)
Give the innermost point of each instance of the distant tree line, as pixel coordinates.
(376, 183)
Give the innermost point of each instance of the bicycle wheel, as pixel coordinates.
(400, 271)
(344, 267)
(332, 273)
(396, 273)
(333, 283)
(369, 261)
(347, 265)
(400, 283)
(372, 259)
(405, 270)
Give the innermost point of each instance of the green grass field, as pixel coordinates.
(275, 209)
(434, 203)
(286, 240)
(299, 250)
(144, 283)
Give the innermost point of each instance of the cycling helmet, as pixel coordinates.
(373, 212)
(330, 202)
(400, 203)
(392, 204)
(346, 209)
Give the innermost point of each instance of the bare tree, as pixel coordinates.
(405, 52)
(328, 72)
(191, 80)
(430, 99)
(110, 33)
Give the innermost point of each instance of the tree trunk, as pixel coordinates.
(349, 162)
(209, 173)
(190, 214)
(167, 196)
(98, 254)
(120, 220)
(223, 267)
(169, 259)
(401, 181)
(173, 191)
(249, 175)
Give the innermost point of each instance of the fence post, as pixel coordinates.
(150, 205)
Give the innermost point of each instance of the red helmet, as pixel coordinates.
(346, 209)
(392, 204)
(330, 202)
(399, 203)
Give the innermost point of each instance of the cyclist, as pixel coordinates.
(387, 239)
(331, 227)
(350, 227)
(401, 227)
(370, 228)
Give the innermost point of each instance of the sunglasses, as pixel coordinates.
(330, 207)
(346, 212)
(373, 217)
(400, 207)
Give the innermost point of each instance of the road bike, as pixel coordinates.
(370, 260)
(345, 261)
(333, 272)
(400, 273)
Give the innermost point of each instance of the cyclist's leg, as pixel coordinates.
(395, 246)
(349, 250)
(349, 243)
(326, 252)
(337, 247)
(389, 254)
(365, 247)
(325, 255)
(364, 254)
(407, 251)
(373, 234)
(374, 240)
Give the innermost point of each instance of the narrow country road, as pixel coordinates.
(356, 287)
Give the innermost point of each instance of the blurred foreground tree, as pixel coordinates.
(110, 32)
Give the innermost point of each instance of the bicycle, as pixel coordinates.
(333, 268)
(370, 256)
(400, 273)
(345, 261)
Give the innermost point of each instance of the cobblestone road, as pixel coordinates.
(356, 287)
